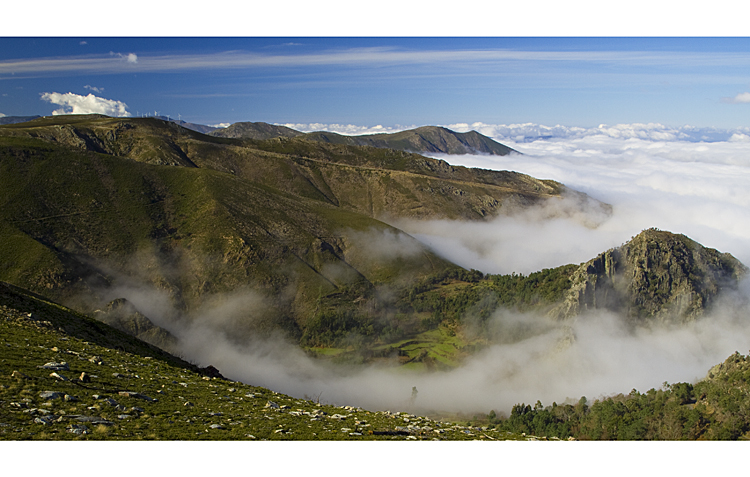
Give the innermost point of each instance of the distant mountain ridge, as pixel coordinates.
(16, 119)
(426, 139)
(257, 130)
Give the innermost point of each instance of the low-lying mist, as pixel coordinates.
(535, 358)
(696, 189)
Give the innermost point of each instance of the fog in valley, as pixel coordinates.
(678, 184)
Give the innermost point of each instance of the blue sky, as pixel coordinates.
(390, 81)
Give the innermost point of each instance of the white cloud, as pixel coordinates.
(94, 88)
(345, 129)
(740, 98)
(76, 104)
(130, 57)
(2, 115)
(529, 132)
(220, 125)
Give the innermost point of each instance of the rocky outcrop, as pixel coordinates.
(656, 275)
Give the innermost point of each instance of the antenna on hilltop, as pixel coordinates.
(179, 117)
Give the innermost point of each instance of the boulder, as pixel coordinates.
(51, 395)
(56, 366)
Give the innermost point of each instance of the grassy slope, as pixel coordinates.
(186, 403)
(70, 217)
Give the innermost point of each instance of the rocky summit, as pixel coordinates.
(657, 275)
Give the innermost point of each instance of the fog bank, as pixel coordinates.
(697, 189)
(594, 356)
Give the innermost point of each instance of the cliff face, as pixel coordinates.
(657, 275)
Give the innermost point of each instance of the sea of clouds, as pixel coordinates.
(684, 186)
(651, 176)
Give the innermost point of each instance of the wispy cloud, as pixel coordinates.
(76, 104)
(94, 88)
(740, 98)
(112, 63)
(370, 57)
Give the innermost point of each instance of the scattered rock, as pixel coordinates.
(136, 395)
(51, 395)
(18, 375)
(56, 366)
(216, 426)
(272, 405)
(210, 372)
(124, 416)
(70, 398)
(84, 378)
(59, 376)
(94, 420)
(78, 429)
(46, 420)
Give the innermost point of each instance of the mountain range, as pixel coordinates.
(149, 227)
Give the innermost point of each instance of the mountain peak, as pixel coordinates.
(656, 275)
